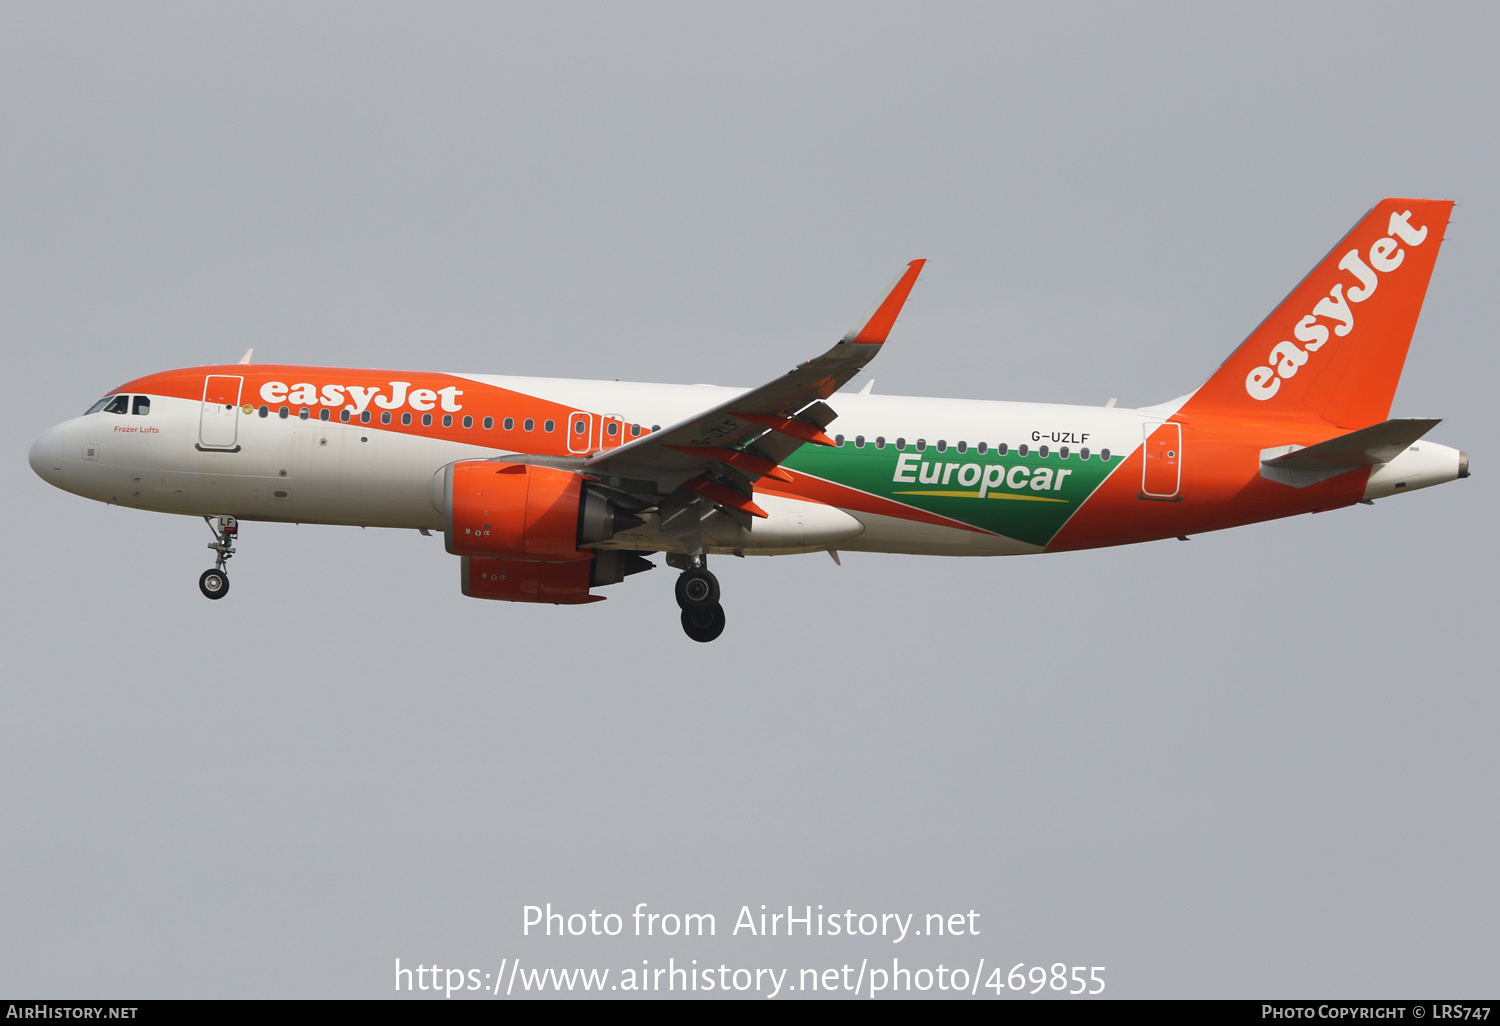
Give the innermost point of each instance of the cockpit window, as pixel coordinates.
(119, 404)
(97, 406)
(141, 406)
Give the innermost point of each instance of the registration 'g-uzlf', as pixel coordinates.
(548, 489)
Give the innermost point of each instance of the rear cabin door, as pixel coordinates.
(611, 431)
(219, 423)
(1161, 474)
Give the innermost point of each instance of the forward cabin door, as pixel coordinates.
(1161, 473)
(219, 423)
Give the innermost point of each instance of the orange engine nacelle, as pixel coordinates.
(522, 513)
(512, 511)
(565, 584)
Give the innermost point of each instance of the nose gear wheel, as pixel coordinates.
(215, 583)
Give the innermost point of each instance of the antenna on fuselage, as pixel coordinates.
(248, 353)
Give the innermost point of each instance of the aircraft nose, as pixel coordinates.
(46, 457)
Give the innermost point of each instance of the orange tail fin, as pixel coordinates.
(1335, 347)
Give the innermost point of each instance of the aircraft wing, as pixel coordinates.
(718, 455)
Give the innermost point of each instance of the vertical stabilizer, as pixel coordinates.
(1335, 346)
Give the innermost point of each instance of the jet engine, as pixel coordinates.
(522, 532)
(519, 512)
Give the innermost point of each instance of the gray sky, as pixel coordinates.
(1261, 763)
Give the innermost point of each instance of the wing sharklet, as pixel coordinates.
(876, 325)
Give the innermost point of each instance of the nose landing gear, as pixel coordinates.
(215, 583)
(698, 596)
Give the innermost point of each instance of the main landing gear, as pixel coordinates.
(698, 596)
(215, 583)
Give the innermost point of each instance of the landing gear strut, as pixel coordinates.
(215, 583)
(698, 596)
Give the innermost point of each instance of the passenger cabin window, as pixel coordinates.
(529, 424)
(385, 418)
(489, 422)
(265, 411)
(406, 420)
(427, 420)
(549, 426)
(447, 420)
(119, 404)
(142, 406)
(509, 423)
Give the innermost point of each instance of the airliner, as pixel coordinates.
(550, 489)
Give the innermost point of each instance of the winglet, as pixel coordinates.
(248, 353)
(875, 326)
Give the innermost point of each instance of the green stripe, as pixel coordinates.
(1033, 515)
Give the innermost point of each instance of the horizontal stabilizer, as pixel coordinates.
(1366, 447)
